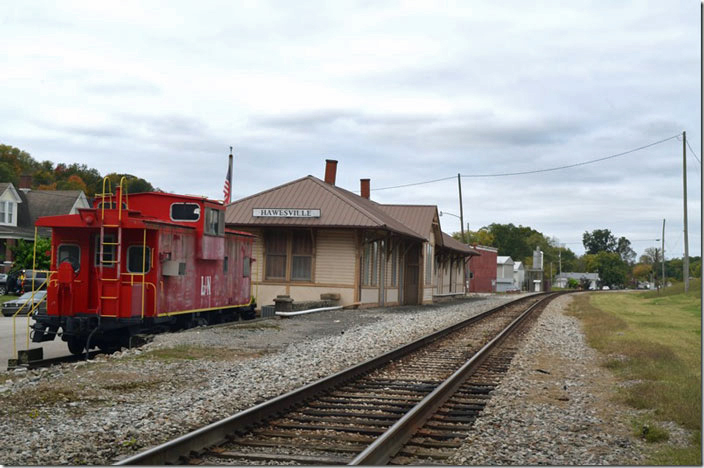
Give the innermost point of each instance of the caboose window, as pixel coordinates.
(214, 222)
(108, 251)
(135, 259)
(185, 212)
(246, 267)
(69, 253)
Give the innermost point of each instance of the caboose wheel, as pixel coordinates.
(76, 345)
(248, 314)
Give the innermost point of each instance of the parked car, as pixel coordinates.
(3, 284)
(9, 308)
(26, 280)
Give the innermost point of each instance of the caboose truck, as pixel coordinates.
(103, 289)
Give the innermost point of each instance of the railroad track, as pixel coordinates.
(412, 405)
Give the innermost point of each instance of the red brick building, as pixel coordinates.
(483, 269)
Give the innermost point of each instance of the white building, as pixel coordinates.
(519, 275)
(504, 274)
(562, 279)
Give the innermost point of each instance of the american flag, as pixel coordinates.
(228, 180)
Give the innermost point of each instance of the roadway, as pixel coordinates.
(52, 349)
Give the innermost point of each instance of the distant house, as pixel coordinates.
(562, 279)
(482, 269)
(504, 274)
(19, 210)
(519, 275)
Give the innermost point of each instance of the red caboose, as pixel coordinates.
(152, 262)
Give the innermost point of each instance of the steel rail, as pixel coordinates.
(217, 432)
(390, 442)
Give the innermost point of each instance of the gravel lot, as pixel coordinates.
(96, 412)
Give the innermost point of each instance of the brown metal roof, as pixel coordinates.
(417, 217)
(338, 208)
(451, 243)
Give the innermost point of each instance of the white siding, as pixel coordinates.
(335, 257)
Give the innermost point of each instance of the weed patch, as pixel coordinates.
(650, 431)
(193, 353)
(261, 325)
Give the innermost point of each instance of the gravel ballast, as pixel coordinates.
(555, 406)
(115, 406)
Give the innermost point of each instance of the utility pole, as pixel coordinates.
(459, 185)
(657, 283)
(663, 252)
(685, 261)
(559, 256)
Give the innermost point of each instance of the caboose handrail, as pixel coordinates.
(122, 192)
(102, 195)
(144, 268)
(29, 314)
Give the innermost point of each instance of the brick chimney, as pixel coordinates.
(330, 171)
(364, 188)
(25, 181)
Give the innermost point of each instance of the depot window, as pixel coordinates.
(136, 259)
(185, 212)
(280, 246)
(428, 263)
(370, 264)
(69, 253)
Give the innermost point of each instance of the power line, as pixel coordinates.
(693, 153)
(505, 174)
(416, 183)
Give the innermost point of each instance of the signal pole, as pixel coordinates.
(459, 185)
(685, 262)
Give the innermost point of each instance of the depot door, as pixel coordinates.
(411, 276)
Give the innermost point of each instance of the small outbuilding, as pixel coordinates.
(504, 274)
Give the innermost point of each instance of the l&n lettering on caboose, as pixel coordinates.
(205, 285)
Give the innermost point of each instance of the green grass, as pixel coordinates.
(7, 297)
(653, 340)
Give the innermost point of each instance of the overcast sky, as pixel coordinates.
(399, 92)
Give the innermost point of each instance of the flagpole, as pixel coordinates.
(228, 180)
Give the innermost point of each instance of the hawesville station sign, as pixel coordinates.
(284, 213)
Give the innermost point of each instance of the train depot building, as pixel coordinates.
(314, 238)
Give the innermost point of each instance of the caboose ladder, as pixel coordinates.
(109, 286)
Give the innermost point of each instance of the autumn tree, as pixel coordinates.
(481, 237)
(642, 271)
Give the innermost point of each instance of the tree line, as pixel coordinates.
(46, 175)
(611, 257)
